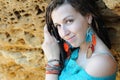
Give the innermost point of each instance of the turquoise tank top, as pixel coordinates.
(72, 71)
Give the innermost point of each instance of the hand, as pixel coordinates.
(50, 46)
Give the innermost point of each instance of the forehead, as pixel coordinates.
(63, 11)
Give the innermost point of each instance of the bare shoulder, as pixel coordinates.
(101, 65)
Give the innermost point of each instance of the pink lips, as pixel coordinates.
(71, 39)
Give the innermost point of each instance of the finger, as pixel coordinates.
(47, 35)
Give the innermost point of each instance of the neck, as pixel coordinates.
(83, 47)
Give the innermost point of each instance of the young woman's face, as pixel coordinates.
(71, 25)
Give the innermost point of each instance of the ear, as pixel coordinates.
(89, 18)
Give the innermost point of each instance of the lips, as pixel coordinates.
(71, 39)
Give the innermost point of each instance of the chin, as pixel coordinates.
(75, 45)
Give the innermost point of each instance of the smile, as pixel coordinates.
(71, 39)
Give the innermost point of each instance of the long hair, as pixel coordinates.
(84, 7)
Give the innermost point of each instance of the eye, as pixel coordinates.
(69, 21)
(57, 25)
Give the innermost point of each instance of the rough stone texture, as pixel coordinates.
(21, 36)
(114, 5)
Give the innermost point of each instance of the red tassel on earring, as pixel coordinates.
(91, 47)
(93, 40)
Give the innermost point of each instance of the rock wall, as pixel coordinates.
(110, 9)
(21, 36)
(113, 5)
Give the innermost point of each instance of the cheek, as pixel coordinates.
(81, 35)
(81, 29)
(77, 29)
(81, 32)
(77, 26)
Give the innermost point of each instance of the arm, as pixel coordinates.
(52, 52)
(52, 69)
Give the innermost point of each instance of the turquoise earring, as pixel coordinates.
(90, 37)
(89, 34)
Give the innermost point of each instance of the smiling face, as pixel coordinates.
(71, 25)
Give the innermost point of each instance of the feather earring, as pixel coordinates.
(90, 37)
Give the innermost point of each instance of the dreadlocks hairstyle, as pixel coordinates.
(84, 7)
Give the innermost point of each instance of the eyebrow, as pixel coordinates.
(67, 17)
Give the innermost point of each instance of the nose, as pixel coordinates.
(64, 31)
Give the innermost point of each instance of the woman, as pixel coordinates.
(76, 43)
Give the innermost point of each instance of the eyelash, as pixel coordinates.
(58, 25)
(66, 22)
(69, 21)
